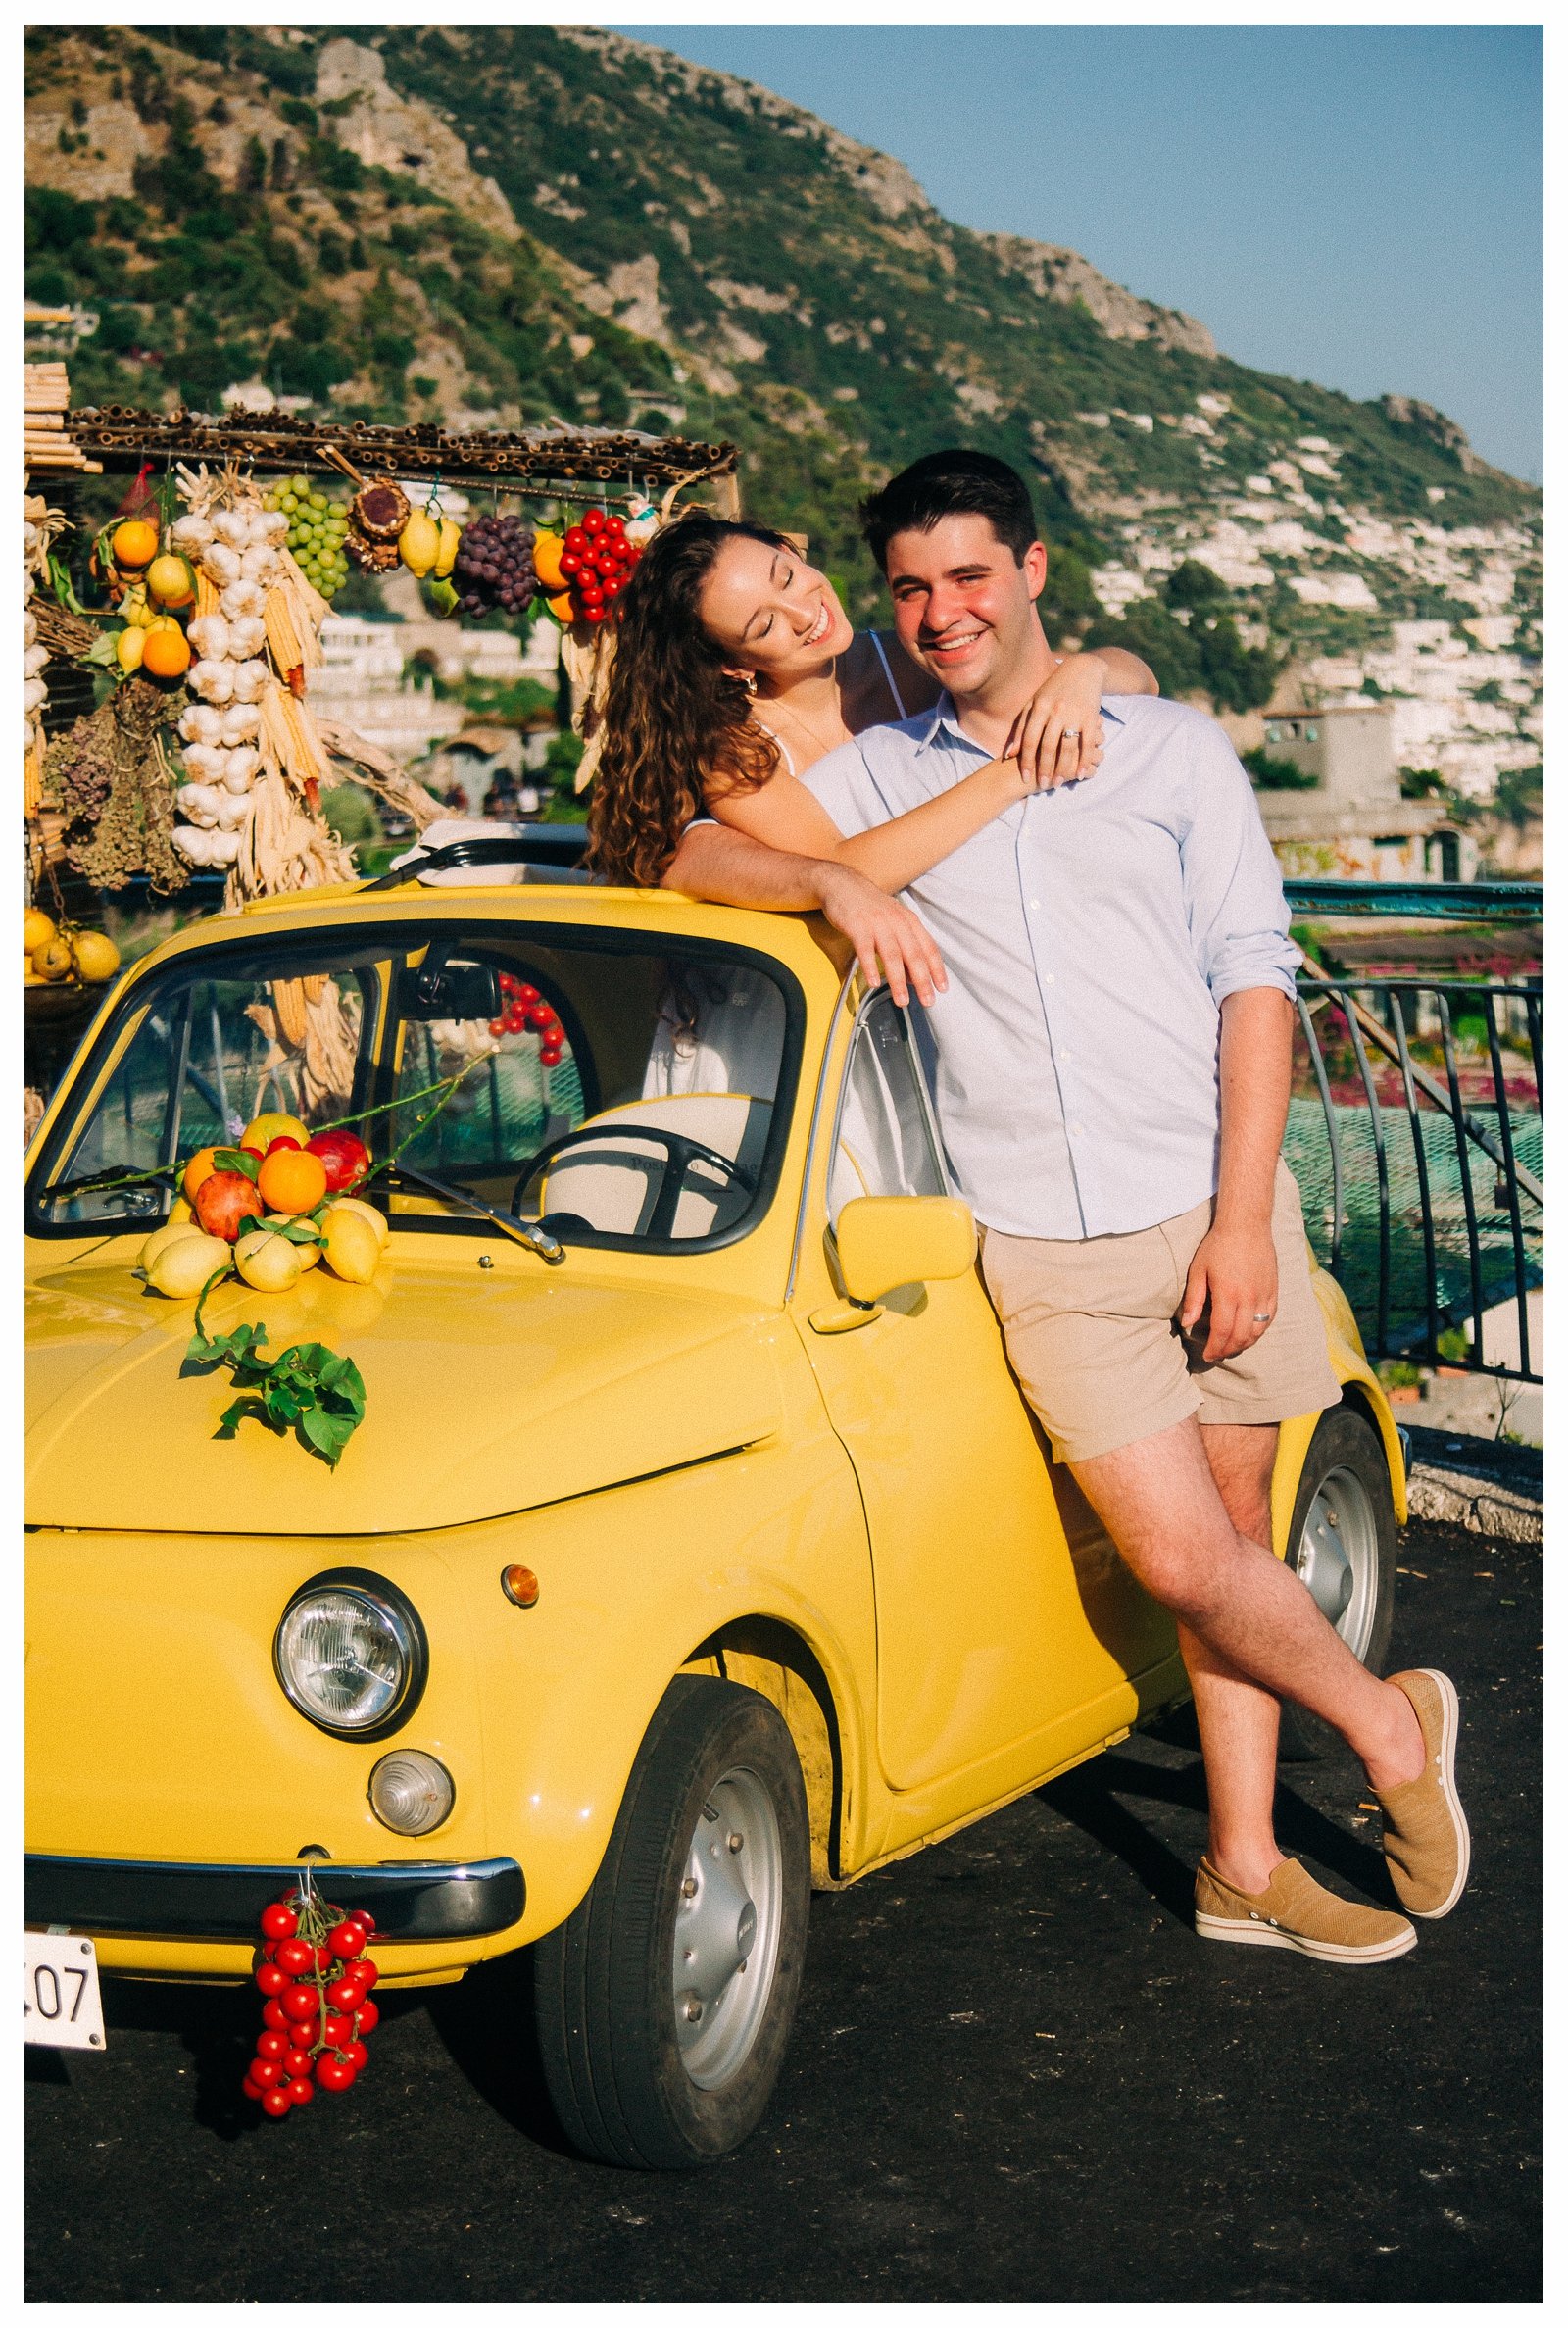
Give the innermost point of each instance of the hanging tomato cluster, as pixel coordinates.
(317, 1979)
(596, 559)
(524, 1011)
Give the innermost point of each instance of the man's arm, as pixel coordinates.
(1241, 928)
(1235, 1273)
(715, 862)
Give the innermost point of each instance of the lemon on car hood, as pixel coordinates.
(486, 1393)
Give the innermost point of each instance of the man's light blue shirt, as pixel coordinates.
(1090, 935)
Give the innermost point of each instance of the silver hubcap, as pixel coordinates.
(727, 1929)
(1337, 1558)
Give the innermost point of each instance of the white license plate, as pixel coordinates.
(64, 2005)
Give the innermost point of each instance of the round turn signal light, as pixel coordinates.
(520, 1586)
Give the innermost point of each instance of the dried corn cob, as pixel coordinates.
(288, 1001)
(283, 642)
(307, 761)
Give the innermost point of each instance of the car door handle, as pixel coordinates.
(844, 1317)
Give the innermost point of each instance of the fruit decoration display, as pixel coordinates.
(494, 566)
(272, 1208)
(318, 533)
(269, 1211)
(60, 954)
(525, 1011)
(275, 1200)
(315, 1976)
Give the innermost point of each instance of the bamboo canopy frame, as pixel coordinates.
(539, 461)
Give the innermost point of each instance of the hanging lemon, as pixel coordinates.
(169, 582)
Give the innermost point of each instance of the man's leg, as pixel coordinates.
(1160, 1502)
(1238, 1721)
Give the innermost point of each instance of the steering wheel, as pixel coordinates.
(680, 1154)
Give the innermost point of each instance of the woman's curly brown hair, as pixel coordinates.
(675, 720)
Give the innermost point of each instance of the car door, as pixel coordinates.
(992, 1629)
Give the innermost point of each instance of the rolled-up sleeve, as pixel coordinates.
(1236, 909)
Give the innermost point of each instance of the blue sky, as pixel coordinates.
(1355, 205)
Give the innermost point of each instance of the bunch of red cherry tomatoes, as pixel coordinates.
(525, 1011)
(596, 559)
(316, 1980)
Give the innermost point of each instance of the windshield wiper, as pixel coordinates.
(58, 1190)
(526, 1232)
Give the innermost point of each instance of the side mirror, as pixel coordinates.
(887, 1241)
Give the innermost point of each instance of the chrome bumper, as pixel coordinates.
(171, 1900)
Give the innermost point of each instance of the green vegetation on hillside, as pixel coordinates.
(695, 256)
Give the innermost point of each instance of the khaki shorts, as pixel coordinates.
(1092, 1333)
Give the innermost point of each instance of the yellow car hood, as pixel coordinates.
(486, 1392)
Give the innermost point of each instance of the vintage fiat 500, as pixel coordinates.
(696, 1549)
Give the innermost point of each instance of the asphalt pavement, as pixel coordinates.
(1016, 2075)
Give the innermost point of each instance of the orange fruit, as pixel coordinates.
(199, 1169)
(169, 582)
(135, 543)
(165, 651)
(291, 1180)
(263, 1131)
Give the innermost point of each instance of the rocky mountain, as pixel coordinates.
(514, 223)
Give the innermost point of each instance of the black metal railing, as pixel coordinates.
(1415, 1134)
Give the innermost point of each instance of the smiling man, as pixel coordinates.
(1113, 1052)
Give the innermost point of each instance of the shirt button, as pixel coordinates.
(1077, 1131)
(1034, 904)
(1050, 978)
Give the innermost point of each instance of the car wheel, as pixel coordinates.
(664, 2002)
(1343, 1546)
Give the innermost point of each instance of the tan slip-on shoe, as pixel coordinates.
(1426, 1841)
(1297, 1913)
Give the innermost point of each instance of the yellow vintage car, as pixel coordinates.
(695, 1550)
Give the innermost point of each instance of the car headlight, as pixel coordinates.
(351, 1654)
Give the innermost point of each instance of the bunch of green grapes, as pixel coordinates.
(317, 527)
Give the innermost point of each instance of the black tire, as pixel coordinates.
(635, 2078)
(1346, 1467)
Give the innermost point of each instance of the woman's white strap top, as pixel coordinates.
(785, 753)
(887, 673)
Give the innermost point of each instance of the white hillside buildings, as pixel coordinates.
(374, 676)
(1461, 686)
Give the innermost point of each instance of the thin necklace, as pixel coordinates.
(777, 704)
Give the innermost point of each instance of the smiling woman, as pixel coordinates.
(737, 669)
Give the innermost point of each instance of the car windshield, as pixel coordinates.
(624, 1094)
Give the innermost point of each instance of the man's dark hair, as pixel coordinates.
(949, 485)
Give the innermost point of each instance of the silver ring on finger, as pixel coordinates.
(1262, 1317)
(1069, 735)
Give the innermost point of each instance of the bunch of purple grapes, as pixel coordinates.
(494, 566)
